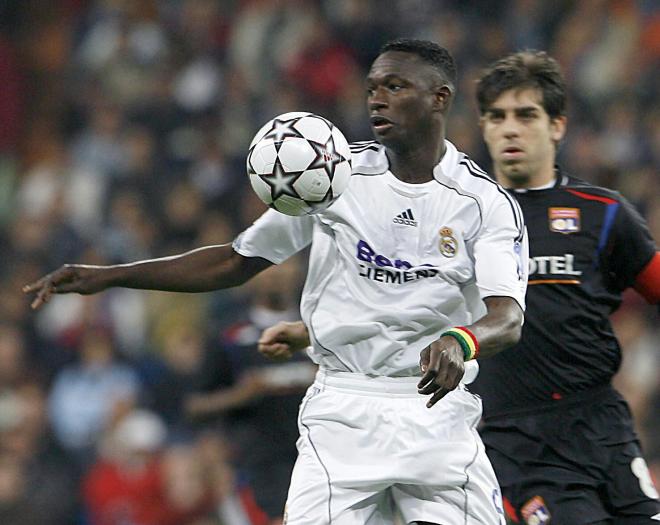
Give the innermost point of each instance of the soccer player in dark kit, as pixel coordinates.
(560, 438)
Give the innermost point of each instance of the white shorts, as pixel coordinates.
(369, 448)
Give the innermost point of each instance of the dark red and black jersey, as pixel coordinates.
(587, 244)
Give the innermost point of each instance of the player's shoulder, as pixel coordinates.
(469, 176)
(368, 158)
(588, 191)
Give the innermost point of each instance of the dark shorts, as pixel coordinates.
(577, 464)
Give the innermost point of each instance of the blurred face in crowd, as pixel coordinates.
(12, 480)
(12, 354)
(96, 348)
(522, 138)
(401, 99)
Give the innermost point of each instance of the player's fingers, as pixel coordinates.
(36, 304)
(267, 347)
(46, 281)
(441, 379)
(454, 376)
(34, 286)
(60, 281)
(51, 279)
(272, 334)
(437, 396)
(43, 296)
(435, 374)
(274, 350)
(424, 358)
(266, 337)
(280, 351)
(427, 384)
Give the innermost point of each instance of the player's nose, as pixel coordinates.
(377, 100)
(510, 127)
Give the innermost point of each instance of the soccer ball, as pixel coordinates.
(299, 163)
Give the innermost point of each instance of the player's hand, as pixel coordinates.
(442, 367)
(70, 278)
(281, 341)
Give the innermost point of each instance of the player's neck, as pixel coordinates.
(415, 166)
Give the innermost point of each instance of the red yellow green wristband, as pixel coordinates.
(466, 339)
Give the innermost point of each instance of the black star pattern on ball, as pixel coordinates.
(281, 182)
(327, 156)
(250, 167)
(282, 129)
(327, 199)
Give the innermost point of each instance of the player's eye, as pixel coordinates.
(495, 117)
(527, 115)
(394, 87)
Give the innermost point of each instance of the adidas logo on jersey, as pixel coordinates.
(405, 217)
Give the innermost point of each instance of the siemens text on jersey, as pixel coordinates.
(395, 271)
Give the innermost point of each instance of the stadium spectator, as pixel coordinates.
(39, 482)
(173, 373)
(123, 483)
(87, 395)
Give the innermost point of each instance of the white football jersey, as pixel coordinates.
(392, 265)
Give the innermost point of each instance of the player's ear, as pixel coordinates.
(558, 128)
(443, 95)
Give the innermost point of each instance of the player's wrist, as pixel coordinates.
(466, 339)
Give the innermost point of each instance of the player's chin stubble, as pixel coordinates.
(514, 174)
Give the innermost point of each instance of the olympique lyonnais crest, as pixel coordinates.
(564, 220)
(535, 512)
(448, 244)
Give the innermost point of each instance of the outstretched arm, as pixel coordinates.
(200, 270)
(443, 361)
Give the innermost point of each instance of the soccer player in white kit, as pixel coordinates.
(422, 253)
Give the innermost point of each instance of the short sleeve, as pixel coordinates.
(275, 236)
(630, 247)
(501, 252)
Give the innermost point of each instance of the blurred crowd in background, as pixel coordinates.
(124, 126)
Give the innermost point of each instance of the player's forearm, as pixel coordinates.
(200, 270)
(500, 328)
(217, 402)
(211, 404)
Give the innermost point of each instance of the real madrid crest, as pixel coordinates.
(448, 244)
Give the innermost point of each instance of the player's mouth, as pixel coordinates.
(512, 153)
(380, 124)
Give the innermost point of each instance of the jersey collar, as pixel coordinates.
(449, 160)
(561, 179)
(379, 162)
